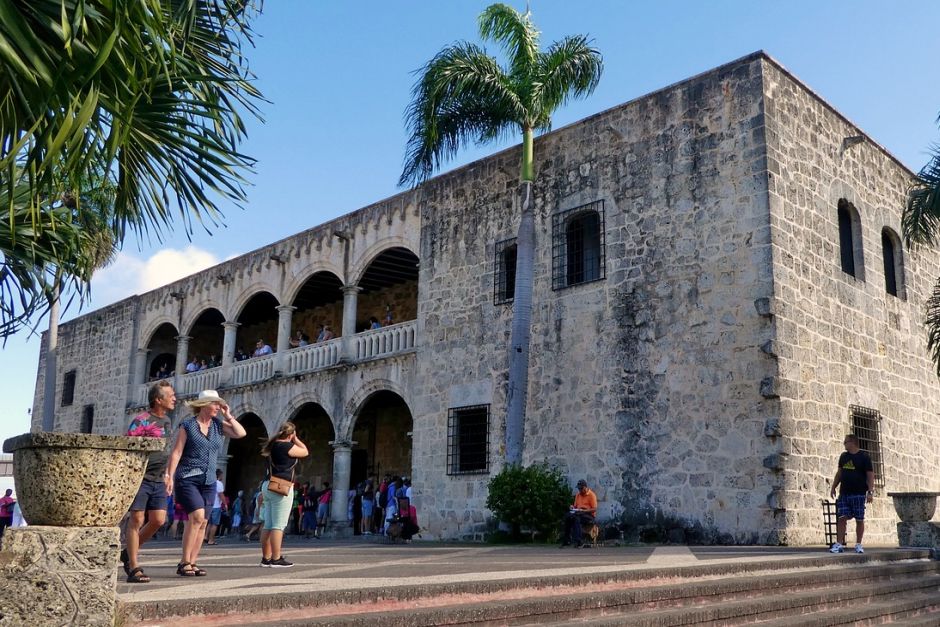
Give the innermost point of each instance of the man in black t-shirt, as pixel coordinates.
(855, 479)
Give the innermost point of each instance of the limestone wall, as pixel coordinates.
(840, 340)
(646, 383)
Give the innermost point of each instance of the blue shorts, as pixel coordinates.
(150, 497)
(367, 508)
(216, 516)
(194, 493)
(851, 506)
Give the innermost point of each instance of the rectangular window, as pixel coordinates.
(468, 440)
(504, 281)
(88, 419)
(578, 245)
(866, 424)
(68, 388)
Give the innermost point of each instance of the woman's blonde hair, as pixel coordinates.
(285, 431)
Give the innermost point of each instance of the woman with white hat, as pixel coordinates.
(190, 475)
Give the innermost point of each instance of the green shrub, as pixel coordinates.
(536, 497)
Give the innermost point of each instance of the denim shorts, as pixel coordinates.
(194, 493)
(851, 506)
(216, 516)
(150, 497)
(276, 508)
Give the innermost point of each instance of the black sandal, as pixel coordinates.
(183, 572)
(199, 572)
(136, 575)
(125, 560)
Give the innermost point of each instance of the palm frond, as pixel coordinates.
(571, 68)
(515, 32)
(920, 221)
(462, 95)
(932, 323)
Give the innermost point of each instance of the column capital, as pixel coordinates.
(143, 351)
(283, 308)
(350, 289)
(339, 445)
(231, 325)
(183, 339)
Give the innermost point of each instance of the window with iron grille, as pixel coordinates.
(866, 425)
(578, 250)
(504, 281)
(88, 419)
(68, 388)
(468, 440)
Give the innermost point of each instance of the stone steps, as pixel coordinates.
(828, 590)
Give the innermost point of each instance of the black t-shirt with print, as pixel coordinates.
(854, 467)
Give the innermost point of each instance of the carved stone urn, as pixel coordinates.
(914, 506)
(78, 479)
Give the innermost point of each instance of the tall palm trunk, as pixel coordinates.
(52, 339)
(521, 312)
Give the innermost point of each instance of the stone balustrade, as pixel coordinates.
(372, 344)
(385, 341)
(313, 356)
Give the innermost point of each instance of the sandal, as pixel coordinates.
(199, 572)
(125, 560)
(136, 575)
(185, 569)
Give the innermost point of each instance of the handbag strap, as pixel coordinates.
(271, 469)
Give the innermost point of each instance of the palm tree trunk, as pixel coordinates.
(521, 328)
(52, 339)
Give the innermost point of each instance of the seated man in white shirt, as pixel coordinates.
(262, 349)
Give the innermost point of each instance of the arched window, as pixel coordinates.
(850, 240)
(578, 245)
(893, 263)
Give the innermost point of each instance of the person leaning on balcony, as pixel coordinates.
(261, 349)
(193, 366)
(374, 323)
(327, 333)
(150, 504)
(302, 339)
(190, 475)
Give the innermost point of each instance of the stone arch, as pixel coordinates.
(302, 275)
(362, 262)
(380, 435)
(315, 427)
(196, 310)
(152, 326)
(249, 292)
(302, 399)
(358, 400)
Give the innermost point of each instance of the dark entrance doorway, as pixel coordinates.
(246, 465)
(315, 428)
(383, 438)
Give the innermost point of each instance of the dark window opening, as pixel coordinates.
(578, 246)
(468, 440)
(850, 240)
(504, 284)
(68, 388)
(866, 424)
(887, 246)
(88, 419)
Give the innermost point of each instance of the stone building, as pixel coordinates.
(720, 295)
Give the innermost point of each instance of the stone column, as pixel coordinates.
(140, 366)
(228, 350)
(350, 303)
(182, 358)
(284, 314)
(339, 505)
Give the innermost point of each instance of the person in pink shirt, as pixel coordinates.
(6, 510)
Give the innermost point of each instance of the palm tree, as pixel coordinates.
(920, 224)
(464, 95)
(149, 92)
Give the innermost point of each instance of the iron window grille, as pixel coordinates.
(504, 280)
(578, 246)
(68, 388)
(468, 440)
(866, 425)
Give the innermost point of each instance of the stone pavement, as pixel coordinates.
(341, 570)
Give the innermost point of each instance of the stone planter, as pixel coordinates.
(77, 479)
(914, 506)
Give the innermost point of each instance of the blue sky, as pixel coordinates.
(339, 77)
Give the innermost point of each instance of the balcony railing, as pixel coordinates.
(385, 341)
(365, 346)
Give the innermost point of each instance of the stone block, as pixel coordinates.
(59, 576)
(919, 534)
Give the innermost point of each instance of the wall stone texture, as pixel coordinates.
(701, 387)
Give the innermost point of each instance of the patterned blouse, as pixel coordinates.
(201, 453)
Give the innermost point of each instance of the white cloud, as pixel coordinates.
(129, 274)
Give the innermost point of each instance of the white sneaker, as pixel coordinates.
(858, 548)
(836, 548)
